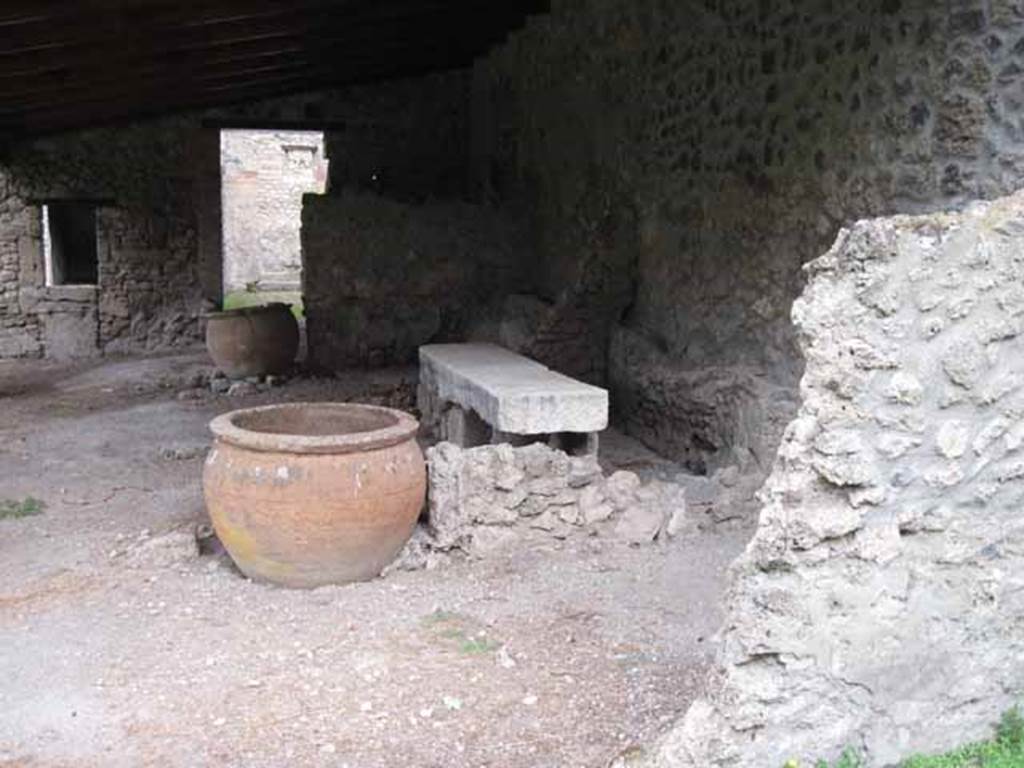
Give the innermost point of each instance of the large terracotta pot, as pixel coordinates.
(253, 341)
(308, 494)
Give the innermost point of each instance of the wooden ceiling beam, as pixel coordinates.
(141, 87)
(34, 17)
(363, 65)
(68, 64)
(50, 61)
(188, 27)
(63, 68)
(22, 12)
(336, 53)
(62, 118)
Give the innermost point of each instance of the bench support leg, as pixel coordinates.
(463, 428)
(575, 443)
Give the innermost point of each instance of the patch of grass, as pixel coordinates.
(849, 759)
(14, 509)
(456, 627)
(476, 645)
(1006, 750)
(240, 299)
(441, 617)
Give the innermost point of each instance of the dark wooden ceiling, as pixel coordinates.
(73, 63)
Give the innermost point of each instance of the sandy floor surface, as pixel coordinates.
(122, 645)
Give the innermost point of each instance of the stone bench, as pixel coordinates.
(478, 394)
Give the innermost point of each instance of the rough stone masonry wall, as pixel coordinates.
(19, 332)
(160, 228)
(393, 255)
(148, 289)
(383, 277)
(495, 497)
(700, 152)
(264, 175)
(407, 140)
(880, 602)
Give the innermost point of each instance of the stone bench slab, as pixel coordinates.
(511, 393)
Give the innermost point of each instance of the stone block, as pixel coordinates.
(72, 333)
(510, 392)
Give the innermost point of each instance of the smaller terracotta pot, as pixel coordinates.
(253, 341)
(306, 494)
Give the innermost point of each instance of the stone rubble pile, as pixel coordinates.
(486, 498)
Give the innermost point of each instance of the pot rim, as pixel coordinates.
(256, 309)
(405, 428)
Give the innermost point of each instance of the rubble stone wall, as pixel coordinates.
(382, 277)
(147, 293)
(880, 601)
(407, 140)
(685, 159)
(493, 497)
(157, 185)
(19, 330)
(265, 174)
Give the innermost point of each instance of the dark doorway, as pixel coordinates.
(69, 243)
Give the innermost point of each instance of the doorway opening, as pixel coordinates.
(70, 255)
(264, 174)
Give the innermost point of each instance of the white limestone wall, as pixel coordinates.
(880, 604)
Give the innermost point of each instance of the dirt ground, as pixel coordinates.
(122, 645)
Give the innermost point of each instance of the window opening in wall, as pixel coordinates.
(264, 174)
(70, 254)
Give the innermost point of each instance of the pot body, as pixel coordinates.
(305, 520)
(254, 341)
